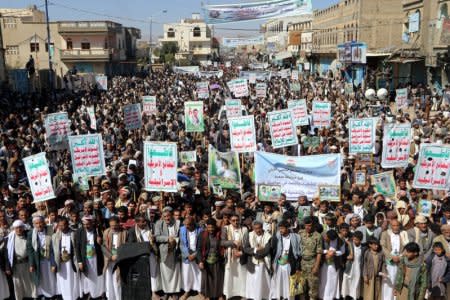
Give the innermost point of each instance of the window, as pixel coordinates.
(10, 23)
(34, 47)
(52, 45)
(170, 33)
(197, 32)
(12, 50)
(85, 45)
(443, 12)
(69, 44)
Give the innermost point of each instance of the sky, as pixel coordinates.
(137, 13)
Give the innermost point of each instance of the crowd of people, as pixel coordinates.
(226, 245)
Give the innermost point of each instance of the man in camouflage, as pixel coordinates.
(311, 244)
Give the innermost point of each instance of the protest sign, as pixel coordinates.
(360, 178)
(321, 114)
(252, 78)
(269, 193)
(82, 181)
(348, 88)
(433, 167)
(282, 129)
(294, 75)
(193, 115)
(223, 169)
(384, 183)
(87, 154)
(396, 144)
(57, 128)
(311, 141)
(149, 105)
(239, 87)
(132, 116)
(188, 156)
(227, 64)
(401, 98)
(102, 82)
(92, 118)
(261, 90)
(300, 113)
(39, 179)
(362, 133)
(242, 134)
(425, 208)
(328, 192)
(233, 107)
(160, 166)
(297, 176)
(203, 90)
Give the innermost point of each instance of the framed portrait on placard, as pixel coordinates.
(360, 178)
(330, 193)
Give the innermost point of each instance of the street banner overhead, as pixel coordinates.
(236, 42)
(215, 14)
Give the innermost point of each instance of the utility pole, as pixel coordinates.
(50, 66)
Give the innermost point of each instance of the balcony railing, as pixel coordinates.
(86, 26)
(91, 54)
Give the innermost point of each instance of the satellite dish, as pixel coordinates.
(382, 93)
(370, 94)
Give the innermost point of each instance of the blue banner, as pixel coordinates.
(297, 175)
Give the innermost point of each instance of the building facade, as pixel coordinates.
(102, 47)
(377, 23)
(193, 37)
(424, 55)
(300, 42)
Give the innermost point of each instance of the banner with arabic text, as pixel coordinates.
(203, 90)
(57, 127)
(39, 179)
(132, 116)
(160, 166)
(149, 105)
(362, 133)
(321, 114)
(282, 130)
(242, 134)
(87, 154)
(297, 175)
(233, 107)
(433, 167)
(396, 144)
(300, 112)
(235, 42)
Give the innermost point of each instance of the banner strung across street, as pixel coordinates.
(433, 167)
(321, 114)
(297, 175)
(193, 116)
(132, 116)
(39, 179)
(203, 90)
(87, 154)
(282, 129)
(235, 42)
(214, 14)
(57, 127)
(160, 166)
(396, 144)
(149, 105)
(233, 108)
(362, 133)
(223, 169)
(242, 134)
(300, 112)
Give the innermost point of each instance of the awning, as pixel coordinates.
(406, 60)
(377, 54)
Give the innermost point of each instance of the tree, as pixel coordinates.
(168, 51)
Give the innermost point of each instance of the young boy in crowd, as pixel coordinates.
(412, 279)
(438, 267)
(372, 270)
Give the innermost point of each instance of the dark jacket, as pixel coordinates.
(34, 256)
(80, 250)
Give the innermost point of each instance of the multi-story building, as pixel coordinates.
(425, 53)
(2, 60)
(376, 23)
(102, 47)
(300, 41)
(193, 37)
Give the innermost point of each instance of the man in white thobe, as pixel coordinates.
(257, 246)
(67, 279)
(40, 252)
(234, 284)
(192, 276)
(90, 258)
(392, 242)
(167, 232)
